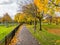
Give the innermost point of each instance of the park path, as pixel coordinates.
(24, 37)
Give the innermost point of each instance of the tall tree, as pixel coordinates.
(48, 6)
(26, 2)
(7, 18)
(30, 9)
(41, 8)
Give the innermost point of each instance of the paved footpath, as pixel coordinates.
(24, 37)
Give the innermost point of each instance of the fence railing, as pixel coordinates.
(8, 38)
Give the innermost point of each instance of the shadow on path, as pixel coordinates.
(24, 37)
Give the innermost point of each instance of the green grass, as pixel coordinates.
(53, 26)
(45, 38)
(5, 31)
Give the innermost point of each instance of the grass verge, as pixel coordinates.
(4, 31)
(44, 37)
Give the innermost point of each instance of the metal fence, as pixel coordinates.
(8, 38)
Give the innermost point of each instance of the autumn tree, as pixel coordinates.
(30, 19)
(39, 8)
(48, 6)
(6, 18)
(16, 17)
(55, 7)
(34, 11)
(23, 4)
(30, 9)
(20, 18)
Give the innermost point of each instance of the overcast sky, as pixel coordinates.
(8, 6)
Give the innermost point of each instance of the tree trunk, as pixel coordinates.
(35, 25)
(40, 24)
(50, 21)
(56, 21)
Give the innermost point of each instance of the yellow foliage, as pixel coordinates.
(58, 9)
(41, 4)
(57, 1)
(45, 20)
(37, 3)
(19, 17)
(45, 10)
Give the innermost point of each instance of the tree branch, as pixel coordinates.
(54, 4)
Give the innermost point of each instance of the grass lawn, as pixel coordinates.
(52, 26)
(4, 31)
(44, 37)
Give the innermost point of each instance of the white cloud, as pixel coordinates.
(8, 8)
